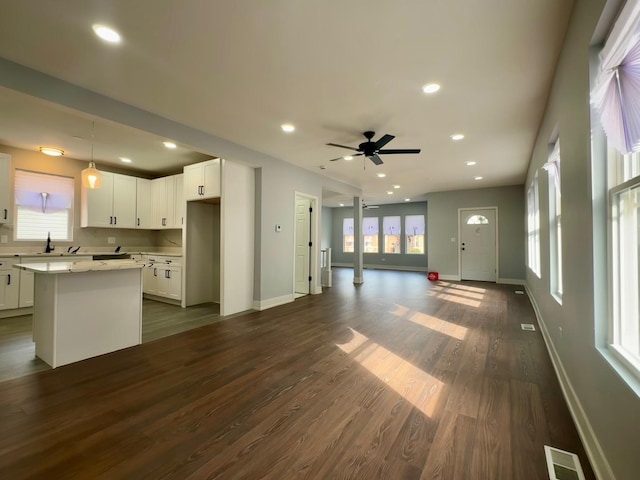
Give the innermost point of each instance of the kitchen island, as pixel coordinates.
(85, 309)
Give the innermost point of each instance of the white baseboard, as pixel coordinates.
(397, 268)
(512, 281)
(16, 312)
(450, 278)
(598, 460)
(272, 302)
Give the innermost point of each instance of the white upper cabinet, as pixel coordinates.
(112, 205)
(143, 203)
(167, 202)
(5, 199)
(202, 180)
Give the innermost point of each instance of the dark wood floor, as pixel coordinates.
(398, 378)
(18, 352)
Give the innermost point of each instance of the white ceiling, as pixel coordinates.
(237, 70)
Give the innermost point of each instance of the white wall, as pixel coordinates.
(606, 409)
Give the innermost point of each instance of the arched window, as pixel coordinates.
(477, 220)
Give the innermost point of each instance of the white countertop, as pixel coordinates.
(83, 266)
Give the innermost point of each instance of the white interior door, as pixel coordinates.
(303, 236)
(478, 244)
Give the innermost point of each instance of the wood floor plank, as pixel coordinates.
(398, 378)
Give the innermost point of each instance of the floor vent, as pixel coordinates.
(529, 327)
(519, 292)
(563, 465)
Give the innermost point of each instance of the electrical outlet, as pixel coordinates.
(4, 239)
(111, 239)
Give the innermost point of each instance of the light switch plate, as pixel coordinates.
(4, 239)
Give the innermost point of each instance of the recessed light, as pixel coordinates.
(396, 186)
(430, 88)
(348, 158)
(125, 160)
(407, 199)
(52, 152)
(342, 204)
(470, 163)
(287, 127)
(390, 192)
(477, 178)
(381, 175)
(169, 144)
(107, 34)
(457, 136)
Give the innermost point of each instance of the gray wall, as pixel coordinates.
(326, 227)
(442, 225)
(605, 408)
(385, 260)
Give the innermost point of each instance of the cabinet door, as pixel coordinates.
(5, 200)
(159, 203)
(26, 289)
(97, 204)
(9, 289)
(193, 181)
(211, 179)
(150, 280)
(179, 202)
(124, 201)
(173, 282)
(143, 203)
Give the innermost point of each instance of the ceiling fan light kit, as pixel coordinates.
(372, 150)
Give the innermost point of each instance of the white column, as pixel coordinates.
(358, 241)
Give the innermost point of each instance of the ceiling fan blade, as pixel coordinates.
(342, 146)
(399, 150)
(342, 157)
(376, 159)
(382, 141)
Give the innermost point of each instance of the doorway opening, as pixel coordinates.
(305, 245)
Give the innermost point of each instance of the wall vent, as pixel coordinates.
(519, 292)
(563, 465)
(529, 327)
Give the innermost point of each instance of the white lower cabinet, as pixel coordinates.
(163, 277)
(9, 284)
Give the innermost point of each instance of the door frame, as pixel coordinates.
(314, 287)
(460, 212)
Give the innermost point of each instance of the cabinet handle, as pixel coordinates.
(9, 279)
(6, 213)
(138, 222)
(115, 220)
(155, 272)
(167, 274)
(110, 220)
(164, 222)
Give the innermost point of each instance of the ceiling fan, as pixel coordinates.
(372, 150)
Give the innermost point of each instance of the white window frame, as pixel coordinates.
(388, 233)
(555, 222)
(408, 235)
(533, 226)
(31, 206)
(345, 234)
(371, 234)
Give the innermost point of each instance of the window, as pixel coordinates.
(477, 220)
(414, 232)
(370, 234)
(616, 96)
(555, 225)
(533, 227)
(624, 203)
(347, 235)
(391, 231)
(43, 206)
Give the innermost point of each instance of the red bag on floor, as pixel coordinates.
(433, 276)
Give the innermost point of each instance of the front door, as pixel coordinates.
(303, 237)
(478, 244)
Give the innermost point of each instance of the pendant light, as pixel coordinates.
(91, 176)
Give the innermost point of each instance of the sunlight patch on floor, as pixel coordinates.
(417, 387)
(439, 325)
